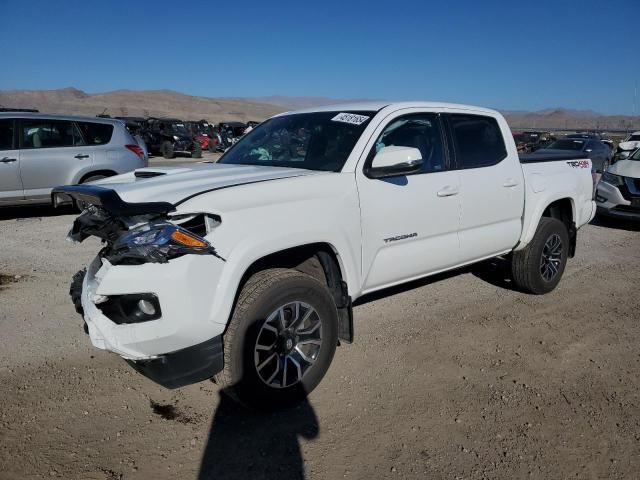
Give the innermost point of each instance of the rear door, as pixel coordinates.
(10, 182)
(491, 186)
(52, 152)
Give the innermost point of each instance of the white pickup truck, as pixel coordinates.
(245, 270)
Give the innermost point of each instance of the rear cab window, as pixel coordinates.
(477, 140)
(96, 133)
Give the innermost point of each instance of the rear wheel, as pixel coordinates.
(538, 268)
(167, 150)
(280, 340)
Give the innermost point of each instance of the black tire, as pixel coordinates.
(527, 265)
(93, 178)
(167, 150)
(264, 294)
(197, 150)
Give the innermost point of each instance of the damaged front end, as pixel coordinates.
(135, 233)
(152, 314)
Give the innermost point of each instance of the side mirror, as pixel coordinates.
(394, 161)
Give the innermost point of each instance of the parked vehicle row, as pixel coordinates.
(169, 137)
(591, 145)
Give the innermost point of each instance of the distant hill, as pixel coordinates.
(566, 119)
(293, 103)
(167, 103)
(152, 103)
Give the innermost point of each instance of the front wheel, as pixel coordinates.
(280, 340)
(538, 267)
(196, 152)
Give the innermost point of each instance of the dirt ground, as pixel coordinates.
(456, 377)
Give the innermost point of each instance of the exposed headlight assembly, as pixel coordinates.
(612, 179)
(157, 243)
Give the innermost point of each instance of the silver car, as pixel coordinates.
(39, 152)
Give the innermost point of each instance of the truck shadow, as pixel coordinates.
(245, 444)
(495, 271)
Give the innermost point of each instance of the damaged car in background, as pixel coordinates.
(627, 146)
(245, 270)
(618, 192)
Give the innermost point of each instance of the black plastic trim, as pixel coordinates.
(109, 200)
(184, 367)
(550, 157)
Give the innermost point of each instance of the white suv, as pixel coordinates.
(618, 193)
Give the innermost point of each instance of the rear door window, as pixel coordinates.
(477, 140)
(96, 133)
(49, 134)
(6, 134)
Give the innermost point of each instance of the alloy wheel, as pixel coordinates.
(288, 344)
(551, 258)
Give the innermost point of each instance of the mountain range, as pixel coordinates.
(167, 103)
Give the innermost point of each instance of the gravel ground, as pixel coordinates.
(454, 377)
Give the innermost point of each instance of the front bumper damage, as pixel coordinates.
(168, 346)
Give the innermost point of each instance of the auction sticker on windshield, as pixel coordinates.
(351, 118)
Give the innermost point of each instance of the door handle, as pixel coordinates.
(8, 160)
(510, 182)
(79, 156)
(448, 191)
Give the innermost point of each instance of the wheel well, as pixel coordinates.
(320, 261)
(563, 210)
(106, 173)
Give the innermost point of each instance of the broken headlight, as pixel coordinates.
(157, 243)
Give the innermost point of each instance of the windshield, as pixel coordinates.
(636, 155)
(567, 145)
(313, 141)
(633, 138)
(178, 129)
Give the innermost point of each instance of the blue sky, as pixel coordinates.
(514, 55)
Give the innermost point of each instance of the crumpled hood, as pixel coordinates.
(173, 184)
(626, 168)
(629, 145)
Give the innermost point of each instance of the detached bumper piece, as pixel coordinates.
(184, 367)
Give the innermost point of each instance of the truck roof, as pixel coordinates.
(379, 105)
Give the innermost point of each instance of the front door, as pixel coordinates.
(52, 152)
(409, 223)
